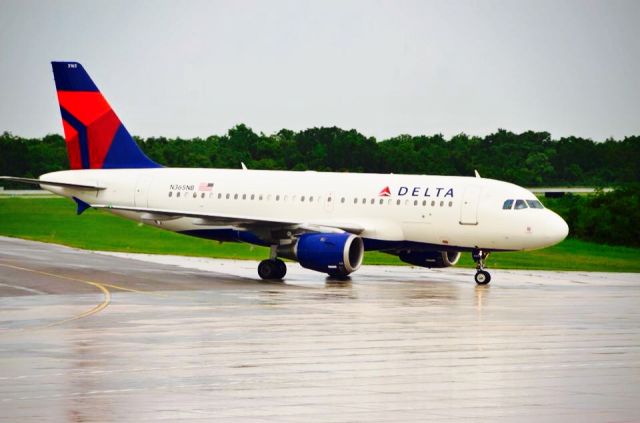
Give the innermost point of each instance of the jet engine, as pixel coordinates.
(430, 259)
(335, 254)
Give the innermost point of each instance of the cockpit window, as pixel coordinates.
(507, 205)
(520, 204)
(535, 204)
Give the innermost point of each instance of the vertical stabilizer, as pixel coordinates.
(95, 137)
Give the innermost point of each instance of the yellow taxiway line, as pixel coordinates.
(101, 286)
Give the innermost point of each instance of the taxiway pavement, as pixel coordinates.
(87, 336)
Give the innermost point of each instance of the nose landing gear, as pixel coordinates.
(482, 277)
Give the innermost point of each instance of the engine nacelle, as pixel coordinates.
(430, 259)
(335, 254)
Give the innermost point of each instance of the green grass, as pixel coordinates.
(54, 220)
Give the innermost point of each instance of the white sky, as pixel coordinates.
(385, 68)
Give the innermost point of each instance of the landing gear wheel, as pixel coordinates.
(272, 269)
(482, 277)
(339, 274)
(282, 268)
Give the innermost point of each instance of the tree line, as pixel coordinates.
(606, 217)
(529, 158)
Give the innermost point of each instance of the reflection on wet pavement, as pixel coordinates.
(198, 339)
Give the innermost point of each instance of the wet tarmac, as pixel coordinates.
(104, 337)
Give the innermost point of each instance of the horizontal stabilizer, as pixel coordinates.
(82, 206)
(51, 183)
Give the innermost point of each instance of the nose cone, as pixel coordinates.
(556, 228)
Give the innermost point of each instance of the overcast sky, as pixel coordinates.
(384, 68)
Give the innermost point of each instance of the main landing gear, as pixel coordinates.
(274, 268)
(482, 277)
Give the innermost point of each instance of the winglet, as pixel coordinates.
(477, 174)
(82, 206)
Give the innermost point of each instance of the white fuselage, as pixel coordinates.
(448, 211)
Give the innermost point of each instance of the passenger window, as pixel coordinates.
(415, 202)
(277, 198)
(302, 199)
(433, 203)
(450, 203)
(170, 193)
(535, 204)
(520, 204)
(373, 200)
(178, 194)
(219, 195)
(382, 201)
(311, 199)
(398, 203)
(441, 203)
(244, 196)
(507, 205)
(253, 196)
(355, 201)
(228, 195)
(424, 203)
(202, 195)
(195, 195)
(235, 197)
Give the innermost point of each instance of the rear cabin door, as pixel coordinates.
(141, 198)
(469, 206)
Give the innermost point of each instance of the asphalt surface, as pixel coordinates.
(87, 336)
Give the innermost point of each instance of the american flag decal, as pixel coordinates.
(205, 186)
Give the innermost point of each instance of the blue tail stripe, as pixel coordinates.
(82, 136)
(125, 153)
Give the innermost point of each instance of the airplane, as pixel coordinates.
(323, 220)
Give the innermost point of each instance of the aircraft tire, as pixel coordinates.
(282, 268)
(272, 269)
(482, 277)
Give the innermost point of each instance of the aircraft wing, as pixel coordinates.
(221, 219)
(52, 183)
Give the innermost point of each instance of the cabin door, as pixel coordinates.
(469, 206)
(141, 197)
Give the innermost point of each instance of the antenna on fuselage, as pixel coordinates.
(244, 167)
(477, 174)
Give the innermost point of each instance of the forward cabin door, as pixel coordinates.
(469, 206)
(141, 196)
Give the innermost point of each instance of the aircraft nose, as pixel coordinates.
(557, 228)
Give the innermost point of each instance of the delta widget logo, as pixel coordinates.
(386, 192)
